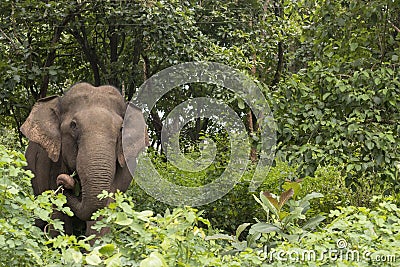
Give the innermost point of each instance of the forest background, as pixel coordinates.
(329, 70)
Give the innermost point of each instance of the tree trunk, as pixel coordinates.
(90, 53)
(113, 80)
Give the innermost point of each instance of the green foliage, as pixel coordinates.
(285, 223)
(340, 105)
(333, 90)
(182, 237)
(357, 236)
(22, 243)
(328, 68)
(330, 182)
(172, 239)
(10, 139)
(341, 119)
(219, 213)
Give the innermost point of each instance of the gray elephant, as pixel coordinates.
(80, 133)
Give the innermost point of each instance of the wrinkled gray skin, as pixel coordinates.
(81, 132)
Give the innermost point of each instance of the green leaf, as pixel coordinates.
(269, 198)
(13, 190)
(312, 196)
(267, 206)
(114, 261)
(304, 202)
(126, 208)
(325, 96)
(72, 255)
(313, 222)
(76, 256)
(240, 246)
(240, 103)
(122, 219)
(353, 46)
(42, 214)
(283, 214)
(264, 228)
(154, 260)
(107, 249)
(13, 172)
(295, 214)
(285, 196)
(370, 144)
(296, 186)
(145, 215)
(93, 259)
(240, 229)
(342, 88)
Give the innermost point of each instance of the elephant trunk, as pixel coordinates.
(96, 170)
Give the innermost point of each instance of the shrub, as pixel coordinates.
(339, 115)
(183, 237)
(330, 182)
(175, 238)
(220, 213)
(22, 243)
(357, 236)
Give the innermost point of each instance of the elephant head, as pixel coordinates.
(81, 133)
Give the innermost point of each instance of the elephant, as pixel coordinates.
(80, 132)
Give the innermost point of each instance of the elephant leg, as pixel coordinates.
(90, 231)
(68, 226)
(40, 224)
(42, 167)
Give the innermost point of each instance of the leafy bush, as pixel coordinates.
(21, 243)
(327, 180)
(173, 239)
(357, 236)
(330, 182)
(10, 139)
(182, 237)
(291, 224)
(340, 116)
(219, 213)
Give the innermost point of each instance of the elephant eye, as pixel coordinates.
(72, 125)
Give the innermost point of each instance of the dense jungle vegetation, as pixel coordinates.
(330, 73)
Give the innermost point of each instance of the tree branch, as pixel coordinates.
(89, 52)
(394, 26)
(52, 53)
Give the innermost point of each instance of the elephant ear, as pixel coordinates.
(135, 134)
(43, 127)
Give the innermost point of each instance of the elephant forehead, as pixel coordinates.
(106, 97)
(99, 116)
